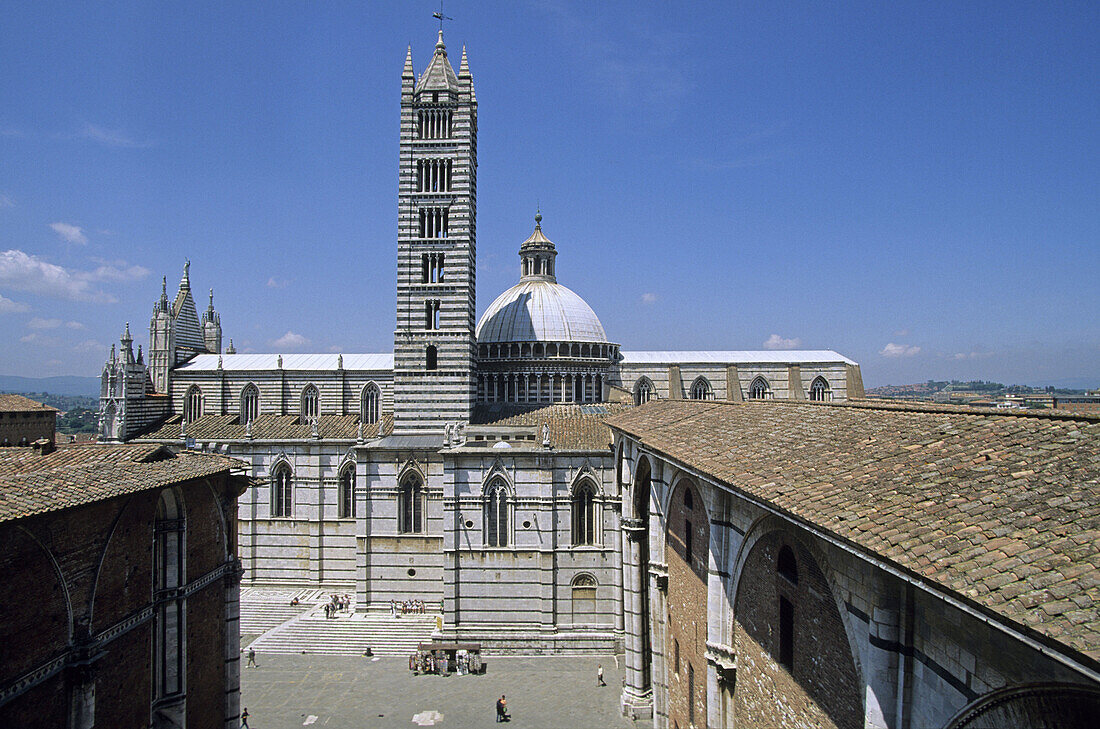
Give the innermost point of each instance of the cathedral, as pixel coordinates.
(756, 520)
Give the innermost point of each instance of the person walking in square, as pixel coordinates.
(251, 658)
(244, 718)
(502, 709)
(599, 675)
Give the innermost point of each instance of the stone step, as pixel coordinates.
(349, 635)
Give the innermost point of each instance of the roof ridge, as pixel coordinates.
(876, 404)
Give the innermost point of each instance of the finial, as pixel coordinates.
(187, 268)
(211, 298)
(126, 334)
(164, 286)
(538, 218)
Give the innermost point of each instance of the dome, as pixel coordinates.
(539, 311)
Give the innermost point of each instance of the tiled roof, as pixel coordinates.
(572, 426)
(786, 356)
(268, 427)
(1001, 510)
(33, 484)
(305, 362)
(18, 403)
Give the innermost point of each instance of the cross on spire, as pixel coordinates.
(440, 16)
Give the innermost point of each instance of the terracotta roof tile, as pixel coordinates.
(573, 426)
(1001, 508)
(33, 484)
(269, 427)
(17, 403)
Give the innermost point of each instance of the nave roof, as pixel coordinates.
(737, 356)
(305, 362)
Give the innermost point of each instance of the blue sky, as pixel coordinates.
(914, 185)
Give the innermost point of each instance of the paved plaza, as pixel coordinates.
(544, 692)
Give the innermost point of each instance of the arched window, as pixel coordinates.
(786, 565)
(282, 496)
(643, 391)
(347, 492)
(700, 389)
(372, 404)
(250, 403)
(584, 598)
(819, 390)
(169, 573)
(585, 514)
(760, 390)
(786, 633)
(410, 505)
(192, 404)
(431, 356)
(310, 403)
(496, 515)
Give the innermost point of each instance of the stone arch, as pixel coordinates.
(193, 403)
(250, 403)
(370, 403)
(760, 388)
(134, 515)
(1068, 706)
(770, 610)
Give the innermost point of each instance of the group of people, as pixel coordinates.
(406, 607)
(337, 603)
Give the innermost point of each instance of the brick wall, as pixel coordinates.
(822, 688)
(26, 427)
(687, 607)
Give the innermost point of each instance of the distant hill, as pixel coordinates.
(69, 385)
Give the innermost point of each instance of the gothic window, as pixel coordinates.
(584, 598)
(585, 514)
(786, 633)
(250, 403)
(700, 389)
(282, 497)
(310, 403)
(410, 505)
(169, 567)
(431, 356)
(371, 405)
(643, 391)
(347, 492)
(760, 390)
(819, 390)
(496, 515)
(192, 404)
(786, 565)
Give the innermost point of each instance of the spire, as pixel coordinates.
(126, 334)
(211, 307)
(439, 76)
(409, 72)
(464, 66)
(127, 349)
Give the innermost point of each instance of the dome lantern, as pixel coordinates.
(537, 256)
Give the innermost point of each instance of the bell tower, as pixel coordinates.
(434, 344)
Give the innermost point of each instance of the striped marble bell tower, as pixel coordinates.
(434, 345)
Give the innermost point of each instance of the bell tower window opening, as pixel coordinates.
(431, 356)
(434, 123)
(434, 175)
(434, 222)
(431, 314)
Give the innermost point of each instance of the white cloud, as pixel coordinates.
(111, 137)
(336, 348)
(70, 232)
(118, 273)
(970, 355)
(75, 325)
(777, 342)
(899, 350)
(7, 306)
(901, 333)
(24, 272)
(39, 339)
(39, 323)
(274, 283)
(290, 340)
(648, 298)
(90, 345)
(6, 202)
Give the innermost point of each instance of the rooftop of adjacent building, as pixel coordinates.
(34, 482)
(19, 404)
(1000, 509)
